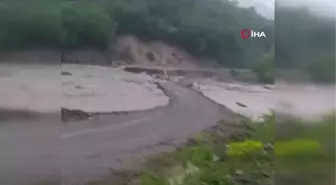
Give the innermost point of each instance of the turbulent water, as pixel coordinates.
(100, 89)
(94, 89)
(303, 100)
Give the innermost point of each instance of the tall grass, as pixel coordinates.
(265, 156)
(293, 152)
(306, 154)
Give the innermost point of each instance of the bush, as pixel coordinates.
(244, 148)
(264, 69)
(54, 24)
(24, 25)
(86, 24)
(297, 148)
(203, 28)
(323, 70)
(198, 155)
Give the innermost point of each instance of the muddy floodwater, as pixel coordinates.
(46, 149)
(46, 88)
(303, 100)
(42, 88)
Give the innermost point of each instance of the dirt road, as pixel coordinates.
(75, 152)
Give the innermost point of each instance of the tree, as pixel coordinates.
(206, 29)
(264, 69)
(323, 70)
(302, 36)
(86, 24)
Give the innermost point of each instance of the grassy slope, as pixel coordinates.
(304, 154)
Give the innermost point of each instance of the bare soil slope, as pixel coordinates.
(131, 50)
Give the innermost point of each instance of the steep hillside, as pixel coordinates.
(205, 29)
(125, 50)
(131, 50)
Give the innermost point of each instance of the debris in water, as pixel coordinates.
(240, 104)
(64, 73)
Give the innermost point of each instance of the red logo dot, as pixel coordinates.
(245, 33)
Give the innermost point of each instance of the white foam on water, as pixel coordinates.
(88, 88)
(302, 100)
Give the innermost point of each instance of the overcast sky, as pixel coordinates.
(266, 7)
(263, 7)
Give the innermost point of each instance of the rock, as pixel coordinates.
(79, 87)
(64, 73)
(265, 174)
(268, 87)
(239, 172)
(68, 115)
(240, 104)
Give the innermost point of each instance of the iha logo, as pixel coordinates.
(248, 33)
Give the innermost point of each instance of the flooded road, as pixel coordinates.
(37, 146)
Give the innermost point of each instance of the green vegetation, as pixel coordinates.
(86, 24)
(209, 29)
(244, 148)
(54, 23)
(302, 37)
(305, 41)
(305, 152)
(265, 70)
(33, 24)
(323, 70)
(297, 152)
(206, 29)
